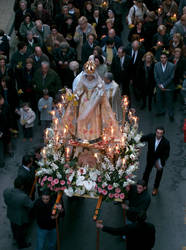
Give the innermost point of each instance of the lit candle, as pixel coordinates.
(96, 156)
(55, 123)
(112, 131)
(117, 149)
(56, 139)
(123, 162)
(159, 11)
(59, 105)
(122, 141)
(67, 151)
(135, 119)
(52, 113)
(46, 134)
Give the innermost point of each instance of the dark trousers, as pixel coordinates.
(165, 101)
(147, 174)
(27, 132)
(19, 234)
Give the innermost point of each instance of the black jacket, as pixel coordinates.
(139, 236)
(162, 151)
(28, 177)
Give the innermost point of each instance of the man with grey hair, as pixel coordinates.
(42, 31)
(114, 95)
(46, 78)
(31, 42)
(38, 57)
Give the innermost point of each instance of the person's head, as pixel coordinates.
(90, 77)
(97, 51)
(110, 43)
(45, 197)
(98, 60)
(162, 29)
(168, 2)
(65, 10)
(37, 153)
(139, 3)
(39, 24)
(151, 16)
(109, 23)
(2, 61)
(135, 45)
(177, 37)
(39, 7)
(19, 182)
(139, 24)
(184, 10)
(148, 57)
(22, 47)
(45, 94)
(74, 65)
(26, 106)
(29, 63)
(183, 19)
(82, 22)
(27, 18)
(90, 38)
(69, 19)
(141, 186)
(6, 82)
(54, 30)
(96, 12)
(110, 14)
(70, 4)
(88, 6)
(163, 58)
(112, 33)
(23, 5)
(160, 131)
(38, 51)
(45, 67)
(27, 160)
(29, 35)
(64, 47)
(1, 100)
(121, 52)
(177, 53)
(108, 77)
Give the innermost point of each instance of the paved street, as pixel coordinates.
(166, 212)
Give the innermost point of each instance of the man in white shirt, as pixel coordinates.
(158, 153)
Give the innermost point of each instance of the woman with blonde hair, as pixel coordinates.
(176, 42)
(145, 74)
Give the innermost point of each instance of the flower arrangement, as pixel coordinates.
(115, 163)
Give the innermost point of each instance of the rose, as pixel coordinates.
(99, 190)
(116, 196)
(66, 166)
(111, 196)
(118, 190)
(68, 182)
(122, 196)
(110, 187)
(56, 181)
(42, 184)
(50, 178)
(63, 188)
(103, 185)
(62, 182)
(99, 179)
(104, 192)
(44, 178)
(52, 183)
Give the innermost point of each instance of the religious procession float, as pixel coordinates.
(87, 152)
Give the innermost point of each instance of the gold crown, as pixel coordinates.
(89, 67)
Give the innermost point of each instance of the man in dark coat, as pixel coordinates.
(46, 78)
(139, 235)
(120, 68)
(158, 153)
(18, 207)
(88, 48)
(26, 171)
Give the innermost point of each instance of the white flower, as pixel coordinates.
(54, 166)
(79, 181)
(80, 191)
(130, 182)
(62, 160)
(89, 185)
(132, 157)
(59, 176)
(71, 177)
(121, 172)
(137, 138)
(40, 163)
(107, 177)
(115, 185)
(125, 184)
(55, 157)
(93, 175)
(69, 192)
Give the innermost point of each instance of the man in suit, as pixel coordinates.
(26, 171)
(18, 207)
(38, 57)
(164, 75)
(136, 53)
(120, 69)
(158, 153)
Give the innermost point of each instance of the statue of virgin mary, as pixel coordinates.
(93, 114)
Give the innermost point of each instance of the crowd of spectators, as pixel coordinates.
(56, 37)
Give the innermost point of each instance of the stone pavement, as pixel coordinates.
(6, 15)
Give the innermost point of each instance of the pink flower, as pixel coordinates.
(66, 165)
(51, 188)
(116, 196)
(45, 178)
(52, 183)
(126, 177)
(56, 181)
(42, 183)
(96, 186)
(48, 185)
(122, 196)
(99, 190)
(62, 182)
(103, 186)
(110, 187)
(104, 192)
(99, 179)
(50, 178)
(57, 189)
(118, 190)
(63, 188)
(111, 196)
(68, 182)
(39, 180)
